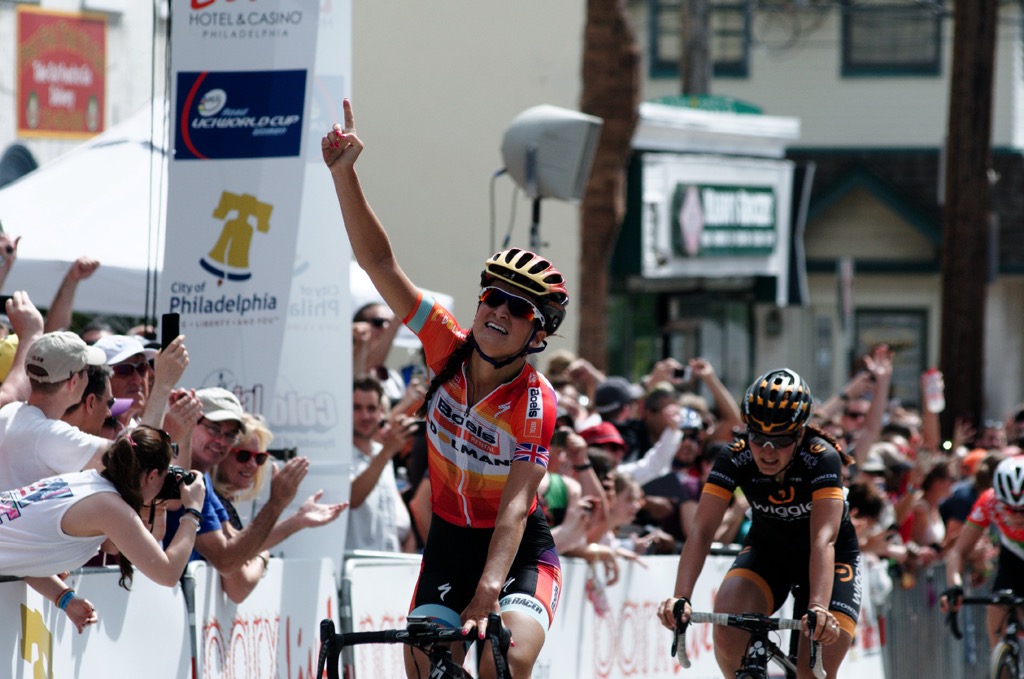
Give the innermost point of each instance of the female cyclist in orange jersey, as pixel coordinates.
(490, 417)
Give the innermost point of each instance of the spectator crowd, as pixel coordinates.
(627, 464)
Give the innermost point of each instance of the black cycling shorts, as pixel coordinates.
(454, 559)
(1009, 572)
(778, 568)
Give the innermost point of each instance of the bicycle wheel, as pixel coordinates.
(1004, 661)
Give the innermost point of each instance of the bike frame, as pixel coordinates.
(1009, 641)
(760, 648)
(429, 637)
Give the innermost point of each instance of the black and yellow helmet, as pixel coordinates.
(778, 402)
(534, 275)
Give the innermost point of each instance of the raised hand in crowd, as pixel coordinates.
(8, 253)
(58, 316)
(411, 400)
(168, 366)
(181, 418)
(584, 376)
(285, 481)
(27, 324)
(666, 370)
(361, 335)
(729, 416)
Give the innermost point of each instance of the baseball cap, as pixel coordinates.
(614, 393)
(56, 356)
(120, 348)
(219, 405)
(603, 434)
(970, 461)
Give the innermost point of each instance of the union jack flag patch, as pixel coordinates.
(531, 452)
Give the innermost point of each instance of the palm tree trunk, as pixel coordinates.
(611, 91)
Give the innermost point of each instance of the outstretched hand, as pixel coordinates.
(81, 613)
(312, 514)
(341, 146)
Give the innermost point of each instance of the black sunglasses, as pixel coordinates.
(126, 369)
(379, 322)
(780, 441)
(517, 306)
(244, 456)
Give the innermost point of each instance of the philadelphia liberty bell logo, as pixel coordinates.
(229, 258)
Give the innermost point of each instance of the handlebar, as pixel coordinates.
(1002, 597)
(750, 622)
(418, 633)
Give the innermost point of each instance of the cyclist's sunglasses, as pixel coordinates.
(780, 441)
(244, 456)
(517, 306)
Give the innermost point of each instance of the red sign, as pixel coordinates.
(62, 68)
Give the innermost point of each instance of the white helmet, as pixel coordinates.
(1008, 481)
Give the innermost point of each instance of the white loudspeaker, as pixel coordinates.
(549, 151)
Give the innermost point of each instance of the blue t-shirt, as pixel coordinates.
(958, 504)
(214, 515)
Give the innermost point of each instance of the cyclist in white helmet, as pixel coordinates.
(1001, 505)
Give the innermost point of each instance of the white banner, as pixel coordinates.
(241, 83)
(628, 641)
(146, 627)
(312, 405)
(275, 632)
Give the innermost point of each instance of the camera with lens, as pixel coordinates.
(172, 482)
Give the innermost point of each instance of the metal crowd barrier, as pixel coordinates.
(917, 642)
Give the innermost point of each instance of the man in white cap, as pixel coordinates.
(128, 360)
(131, 370)
(34, 442)
(218, 542)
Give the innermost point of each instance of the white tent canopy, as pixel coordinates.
(105, 200)
(102, 200)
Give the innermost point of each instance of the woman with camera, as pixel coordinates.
(58, 523)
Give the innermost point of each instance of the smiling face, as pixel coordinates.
(501, 331)
(240, 475)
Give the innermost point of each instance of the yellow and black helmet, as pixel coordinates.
(534, 275)
(778, 402)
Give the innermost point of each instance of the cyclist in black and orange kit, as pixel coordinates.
(800, 540)
(490, 417)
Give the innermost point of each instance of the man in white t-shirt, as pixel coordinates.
(377, 517)
(34, 442)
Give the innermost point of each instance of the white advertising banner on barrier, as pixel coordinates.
(139, 633)
(275, 632)
(627, 641)
(240, 82)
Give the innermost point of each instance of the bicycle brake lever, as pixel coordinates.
(954, 625)
(500, 638)
(326, 641)
(679, 635)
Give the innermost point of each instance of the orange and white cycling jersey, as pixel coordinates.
(471, 449)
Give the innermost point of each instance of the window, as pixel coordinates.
(891, 38)
(730, 37)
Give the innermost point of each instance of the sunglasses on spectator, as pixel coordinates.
(517, 306)
(780, 441)
(215, 432)
(126, 369)
(692, 434)
(244, 456)
(379, 322)
(854, 415)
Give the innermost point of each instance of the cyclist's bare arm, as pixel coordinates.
(521, 487)
(370, 244)
(955, 560)
(826, 515)
(710, 512)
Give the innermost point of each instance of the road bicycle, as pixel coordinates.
(1007, 659)
(422, 634)
(760, 648)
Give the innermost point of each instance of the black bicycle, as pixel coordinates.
(760, 648)
(1007, 659)
(422, 634)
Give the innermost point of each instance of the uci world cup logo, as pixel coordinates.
(243, 215)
